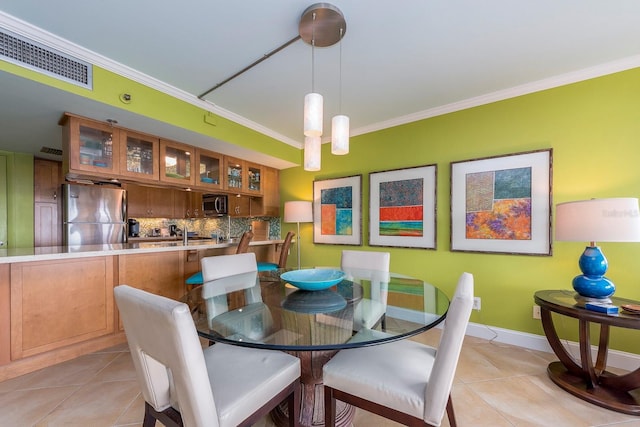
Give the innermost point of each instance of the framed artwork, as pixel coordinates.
(502, 204)
(337, 214)
(402, 207)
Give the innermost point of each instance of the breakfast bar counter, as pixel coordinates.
(56, 303)
(68, 252)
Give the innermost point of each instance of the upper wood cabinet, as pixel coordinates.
(139, 156)
(209, 170)
(149, 202)
(177, 165)
(91, 147)
(187, 204)
(94, 149)
(243, 177)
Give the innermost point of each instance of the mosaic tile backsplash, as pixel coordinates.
(225, 226)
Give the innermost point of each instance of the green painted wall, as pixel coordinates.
(19, 181)
(594, 130)
(107, 88)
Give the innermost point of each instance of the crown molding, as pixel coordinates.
(501, 95)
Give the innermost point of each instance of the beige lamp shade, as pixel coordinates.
(599, 220)
(298, 211)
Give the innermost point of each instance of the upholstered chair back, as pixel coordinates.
(446, 360)
(167, 355)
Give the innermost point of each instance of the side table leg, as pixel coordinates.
(552, 336)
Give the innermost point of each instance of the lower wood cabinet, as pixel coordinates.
(158, 272)
(57, 303)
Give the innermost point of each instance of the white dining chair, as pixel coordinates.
(374, 266)
(182, 384)
(224, 274)
(405, 381)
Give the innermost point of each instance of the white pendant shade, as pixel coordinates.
(313, 114)
(340, 135)
(312, 148)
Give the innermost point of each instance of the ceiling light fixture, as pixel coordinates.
(340, 123)
(321, 25)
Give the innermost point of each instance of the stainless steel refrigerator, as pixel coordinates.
(93, 214)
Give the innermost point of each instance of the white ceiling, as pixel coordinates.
(402, 61)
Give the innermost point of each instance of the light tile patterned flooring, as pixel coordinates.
(496, 385)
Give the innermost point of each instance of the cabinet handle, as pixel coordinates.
(55, 195)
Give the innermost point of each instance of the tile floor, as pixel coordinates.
(496, 385)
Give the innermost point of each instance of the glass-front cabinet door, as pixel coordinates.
(176, 163)
(235, 174)
(209, 170)
(139, 156)
(92, 146)
(254, 178)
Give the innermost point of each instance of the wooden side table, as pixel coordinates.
(584, 379)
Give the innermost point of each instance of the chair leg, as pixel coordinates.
(450, 414)
(149, 419)
(329, 408)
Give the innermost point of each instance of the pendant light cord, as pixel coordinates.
(340, 76)
(313, 53)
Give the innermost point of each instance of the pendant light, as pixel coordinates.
(313, 102)
(312, 149)
(321, 25)
(340, 123)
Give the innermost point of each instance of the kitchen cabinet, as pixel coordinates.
(91, 147)
(239, 205)
(269, 203)
(45, 318)
(161, 273)
(47, 207)
(139, 156)
(187, 204)
(177, 164)
(149, 202)
(209, 166)
(243, 177)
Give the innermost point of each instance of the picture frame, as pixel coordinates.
(402, 207)
(337, 211)
(502, 204)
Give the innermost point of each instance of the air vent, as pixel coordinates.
(49, 150)
(38, 57)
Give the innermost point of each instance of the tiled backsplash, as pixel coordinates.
(228, 226)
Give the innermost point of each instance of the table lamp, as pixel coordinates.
(597, 220)
(298, 211)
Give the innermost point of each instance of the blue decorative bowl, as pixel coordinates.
(313, 279)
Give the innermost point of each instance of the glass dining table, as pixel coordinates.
(261, 310)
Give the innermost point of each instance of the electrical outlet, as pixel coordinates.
(476, 303)
(536, 311)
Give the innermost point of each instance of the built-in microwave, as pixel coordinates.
(215, 204)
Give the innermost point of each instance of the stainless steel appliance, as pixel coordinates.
(93, 214)
(215, 204)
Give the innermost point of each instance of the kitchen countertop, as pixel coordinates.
(69, 252)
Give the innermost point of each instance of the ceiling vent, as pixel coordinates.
(38, 57)
(49, 150)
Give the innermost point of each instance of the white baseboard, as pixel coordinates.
(616, 358)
